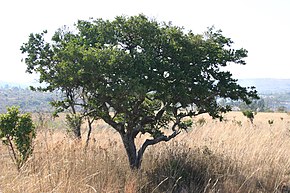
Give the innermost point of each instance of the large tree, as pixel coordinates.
(139, 75)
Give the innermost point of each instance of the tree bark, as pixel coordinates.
(76, 121)
(130, 147)
(90, 122)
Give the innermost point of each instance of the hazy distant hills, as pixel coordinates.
(267, 85)
(264, 85)
(274, 92)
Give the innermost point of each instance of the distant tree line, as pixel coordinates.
(267, 103)
(27, 100)
(34, 101)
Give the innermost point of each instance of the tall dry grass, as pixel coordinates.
(230, 156)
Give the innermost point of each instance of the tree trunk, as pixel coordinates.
(75, 121)
(129, 143)
(134, 156)
(77, 132)
(89, 131)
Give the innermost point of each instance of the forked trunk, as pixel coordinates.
(89, 131)
(129, 143)
(134, 156)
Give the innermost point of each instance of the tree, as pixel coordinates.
(75, 101)
(17, 133)
(139, 75)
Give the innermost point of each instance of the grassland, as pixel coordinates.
(229, 156)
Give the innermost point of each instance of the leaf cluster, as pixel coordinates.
(249, 114)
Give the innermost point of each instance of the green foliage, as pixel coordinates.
(74, 122)
(186, 124)
(249, 114)
(17, 132)
(137, 74)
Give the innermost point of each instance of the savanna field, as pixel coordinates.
(229, 156)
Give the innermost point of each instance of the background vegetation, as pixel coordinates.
(34, 101)
(27, 100)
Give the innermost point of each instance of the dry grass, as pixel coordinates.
(232, 156)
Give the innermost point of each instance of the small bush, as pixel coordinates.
(17, 132)
(249, 114)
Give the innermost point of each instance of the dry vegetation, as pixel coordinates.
(230, 156)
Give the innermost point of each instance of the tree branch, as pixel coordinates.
(149, 142)
(108, 119)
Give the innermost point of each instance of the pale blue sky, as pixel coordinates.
(260, 26)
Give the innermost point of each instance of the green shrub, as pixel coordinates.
(249, 114)
(17, 132)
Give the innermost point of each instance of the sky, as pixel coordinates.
(260, 26)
